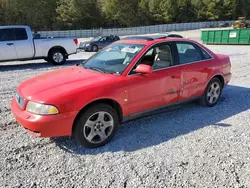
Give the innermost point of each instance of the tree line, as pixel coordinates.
(85, 14)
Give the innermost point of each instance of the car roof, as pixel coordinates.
(13, 26)
(151, 40)
(161, 40)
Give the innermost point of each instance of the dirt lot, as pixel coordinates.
(191, 146)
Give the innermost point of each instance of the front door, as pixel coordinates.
(7, 45)
(159, 88)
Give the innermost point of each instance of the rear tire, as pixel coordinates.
(96, 126)
(57, 57)
(212, 93)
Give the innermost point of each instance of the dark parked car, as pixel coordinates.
(174, 36)
(223, 25)
(98, 43)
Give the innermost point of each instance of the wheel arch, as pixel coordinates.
(94, 44)
(114, 104)
(220, 77)
(57, 47)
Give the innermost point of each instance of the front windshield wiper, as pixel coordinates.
(100, 70)
(94, 68)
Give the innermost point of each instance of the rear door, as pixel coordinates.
(195, 69)
(7, 44)
(109, 40)
(24, 45)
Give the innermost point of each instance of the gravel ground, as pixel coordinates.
(189, 146)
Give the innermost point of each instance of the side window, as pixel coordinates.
(205, 54)
(103, 39)
(150, 52)
(6, 35)
(20, 34)
(187, 53)
(159, 57)
(163, 57)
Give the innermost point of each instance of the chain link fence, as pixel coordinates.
(133, 30)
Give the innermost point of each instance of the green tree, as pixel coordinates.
(242, 8)
(125, 12)
(78, 13)
(82, 14)
(39, 14)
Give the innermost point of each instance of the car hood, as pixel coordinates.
(61, 81)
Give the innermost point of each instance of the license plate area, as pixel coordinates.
(19, 100)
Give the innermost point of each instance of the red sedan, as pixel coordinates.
(127, 79)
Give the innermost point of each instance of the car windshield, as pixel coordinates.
(113, 59)
(96, 39)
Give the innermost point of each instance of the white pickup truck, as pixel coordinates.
(18, 43)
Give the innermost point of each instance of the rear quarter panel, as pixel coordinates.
(220, 66)
(225, 67)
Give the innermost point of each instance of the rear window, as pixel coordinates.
(6, 35)
(20, 34)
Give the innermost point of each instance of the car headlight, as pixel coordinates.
(41, 109)
(87, 45)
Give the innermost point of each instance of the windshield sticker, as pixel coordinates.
(130, 50)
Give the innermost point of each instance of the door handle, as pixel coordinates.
(10, 44)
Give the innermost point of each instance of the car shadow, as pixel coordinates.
(154, 130)
(36, 65)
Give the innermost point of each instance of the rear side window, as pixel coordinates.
(108, 39)
(6, 35)
(187, 53)
(20, 34)
(205, 54)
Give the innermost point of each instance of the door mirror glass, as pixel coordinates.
(144, 69)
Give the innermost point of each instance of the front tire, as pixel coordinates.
(57, 57)
(94, 48)
(96, 126)
(212, 93)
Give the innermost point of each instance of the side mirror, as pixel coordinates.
(144, 69)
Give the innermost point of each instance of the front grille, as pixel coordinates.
(20, 100)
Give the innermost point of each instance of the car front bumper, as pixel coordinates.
(44, 126)
(85, 48)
